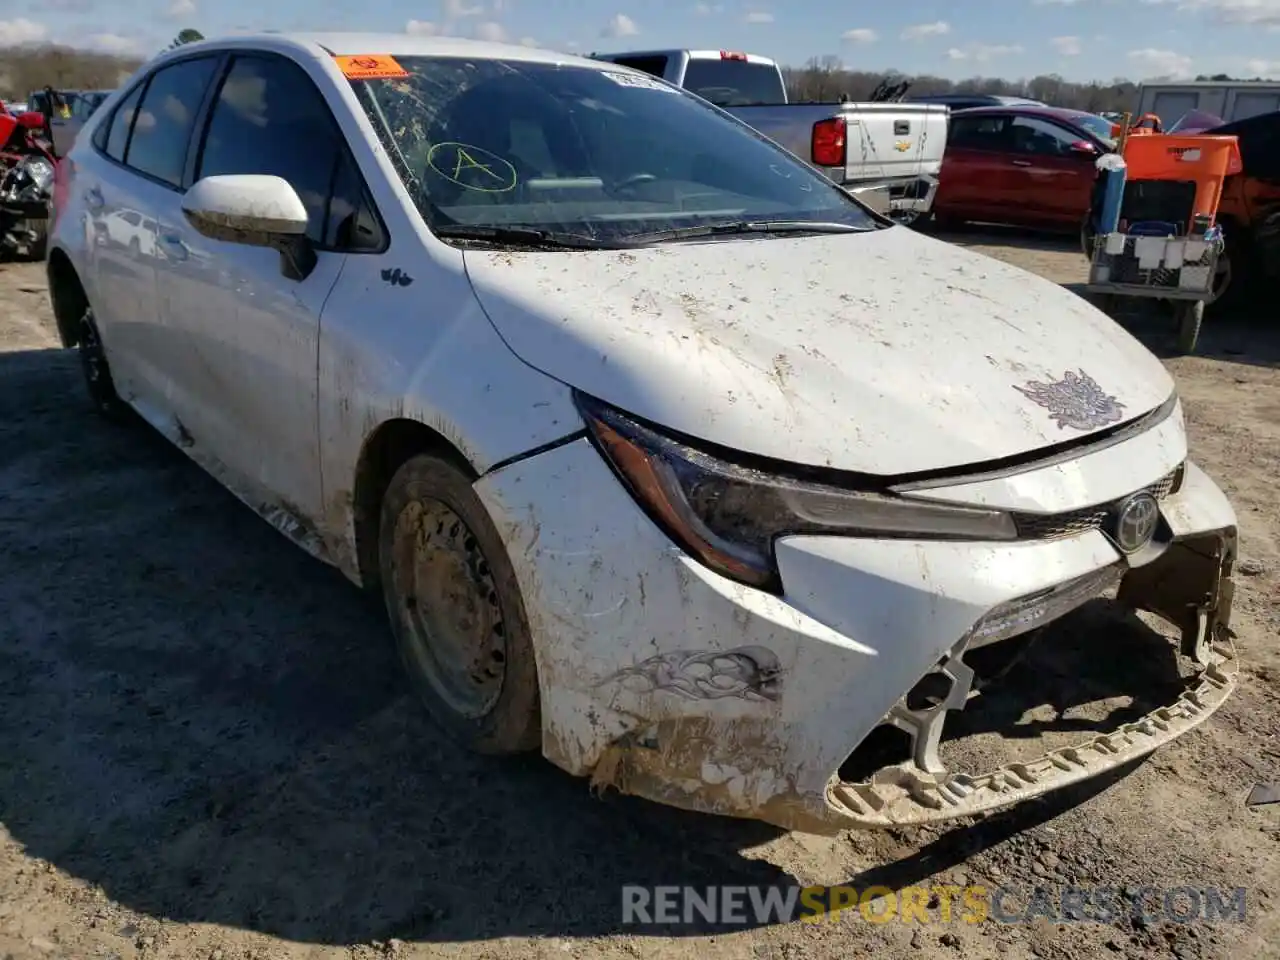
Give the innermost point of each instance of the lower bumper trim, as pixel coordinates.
(903, 796)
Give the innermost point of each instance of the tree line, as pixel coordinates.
(826, 79)
(28, 68)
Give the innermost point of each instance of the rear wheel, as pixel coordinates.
(456, 611)
(97, 372)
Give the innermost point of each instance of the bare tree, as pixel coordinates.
(31, 68)
(824, 79)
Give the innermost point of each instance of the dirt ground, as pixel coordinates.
(207, 751)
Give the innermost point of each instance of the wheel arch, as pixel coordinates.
(66, 294)
(384, 451)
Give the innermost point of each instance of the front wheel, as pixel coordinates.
(456, 611)
(1190, 316)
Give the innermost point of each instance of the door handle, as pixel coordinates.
(173, 246)
(1021, 163)
(93, 198)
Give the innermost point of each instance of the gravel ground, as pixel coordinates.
(208, 752)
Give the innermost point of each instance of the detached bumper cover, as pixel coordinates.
(904, 798)
(664, 680)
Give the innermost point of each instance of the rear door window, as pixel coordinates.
(978, 133)
(166, 119)
(120, 125)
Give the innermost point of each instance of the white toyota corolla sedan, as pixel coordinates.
(670, 459)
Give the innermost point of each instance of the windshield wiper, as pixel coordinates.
(527, 237)
(750, 226)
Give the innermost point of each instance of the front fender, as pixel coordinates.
(422, 352)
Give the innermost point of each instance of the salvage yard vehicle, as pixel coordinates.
(888, 152)
(1027, 166)
(668, 458)
(26, 184)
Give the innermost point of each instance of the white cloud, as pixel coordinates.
(921, 30)
(180, 9)
(114, 43)
(982, 52)
(620, 26)
(22, 30)
(758, 16)
(1055, 3)
(1067, 46)
(1160, 63)
(1262, 68)
(706, 9)
(860, 35)
(528, 42)
(492, 31)
(1253, 13)
(457, 9)
(421, 28)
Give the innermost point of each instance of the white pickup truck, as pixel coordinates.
(888, 153)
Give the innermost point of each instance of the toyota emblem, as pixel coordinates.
(1136, 521)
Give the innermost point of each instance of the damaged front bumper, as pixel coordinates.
(664, 680)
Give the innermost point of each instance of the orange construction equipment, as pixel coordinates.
(1205, 161)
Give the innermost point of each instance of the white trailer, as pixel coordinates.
(1228, 99)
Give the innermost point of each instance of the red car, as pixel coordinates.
(1030, 166)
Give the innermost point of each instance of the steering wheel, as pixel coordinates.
(626, 183)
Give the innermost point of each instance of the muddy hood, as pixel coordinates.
(887, 353)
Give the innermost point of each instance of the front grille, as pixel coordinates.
(1058, 526)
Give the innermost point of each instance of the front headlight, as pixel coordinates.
(728, 516)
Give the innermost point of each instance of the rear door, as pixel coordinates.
(974, 182)
(1049, 180)
(136, 165)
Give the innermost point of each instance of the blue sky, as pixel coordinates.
(1080, 39)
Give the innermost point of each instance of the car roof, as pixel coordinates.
(319, 44)
(1061, 113)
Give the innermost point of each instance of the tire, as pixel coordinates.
(1234, 283)
(1190, 316)
(946, 224)
(466, 646)
(97, 372)
(1087, 236)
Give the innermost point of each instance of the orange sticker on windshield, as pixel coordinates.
(371, 66)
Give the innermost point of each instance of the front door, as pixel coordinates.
(250, 334)
(1049, 179)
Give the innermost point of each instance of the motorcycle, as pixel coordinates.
(27, 165)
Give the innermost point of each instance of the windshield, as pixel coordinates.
(1195, 121)
(1100, 127)
(734, 83)
(599, 153)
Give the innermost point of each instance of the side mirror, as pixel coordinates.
(32, 120)
(1084, 148)
(255, 210)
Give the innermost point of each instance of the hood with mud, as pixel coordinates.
(886, 353)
